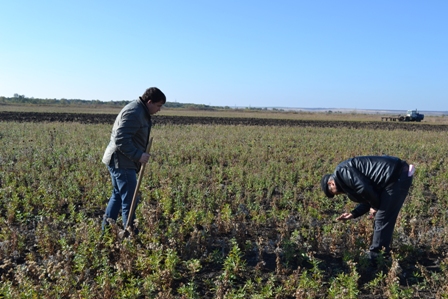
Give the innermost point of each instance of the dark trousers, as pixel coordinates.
(392, 198)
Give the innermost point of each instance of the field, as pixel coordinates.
(231, 208)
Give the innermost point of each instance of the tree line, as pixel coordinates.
(23, 100)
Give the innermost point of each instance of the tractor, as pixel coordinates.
(411, 115)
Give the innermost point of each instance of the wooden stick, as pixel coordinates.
(139, 181)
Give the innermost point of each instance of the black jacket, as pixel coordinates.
(363, 178)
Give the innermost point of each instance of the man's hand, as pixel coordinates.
(372, 213)
(345, 216)
(144, 158)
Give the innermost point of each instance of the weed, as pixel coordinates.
(225, 211)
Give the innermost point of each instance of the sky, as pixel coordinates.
(351, 54)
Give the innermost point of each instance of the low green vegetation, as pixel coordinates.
(226, 212)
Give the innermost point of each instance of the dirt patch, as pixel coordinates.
(188, 120)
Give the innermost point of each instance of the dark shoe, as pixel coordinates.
(378, 259)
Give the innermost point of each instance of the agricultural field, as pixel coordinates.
(100, 112)
(229, 209)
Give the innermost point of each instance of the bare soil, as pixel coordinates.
(190, 120)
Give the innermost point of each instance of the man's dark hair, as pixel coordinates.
(324, 185)
(154, 95)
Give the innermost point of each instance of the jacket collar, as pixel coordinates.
(145, 107)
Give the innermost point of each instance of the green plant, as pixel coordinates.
(345, 285)
(255, 185)
(234, 265)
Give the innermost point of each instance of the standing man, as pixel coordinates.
(126, 152)
(380, 185)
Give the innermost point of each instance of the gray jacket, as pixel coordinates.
(130, 135)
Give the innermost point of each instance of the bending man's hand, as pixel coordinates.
(144, 158)
(345, 216)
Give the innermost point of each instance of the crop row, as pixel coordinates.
(226, 212)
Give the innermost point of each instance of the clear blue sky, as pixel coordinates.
(382, 54)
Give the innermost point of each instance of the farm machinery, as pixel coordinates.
(411, 115)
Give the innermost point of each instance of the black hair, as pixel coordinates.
(154, 95)
(324, 185)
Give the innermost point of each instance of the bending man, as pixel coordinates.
(380, 185)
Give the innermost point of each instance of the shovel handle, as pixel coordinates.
(139, 181)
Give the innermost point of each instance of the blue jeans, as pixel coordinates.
(124, 182)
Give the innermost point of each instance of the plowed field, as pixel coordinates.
(187, 120)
